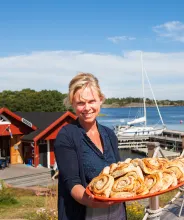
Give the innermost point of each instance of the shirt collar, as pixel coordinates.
(99, 126)
(80, 127)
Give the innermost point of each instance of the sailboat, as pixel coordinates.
(138, 126)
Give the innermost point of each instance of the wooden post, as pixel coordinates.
(182, 145)
(182, 137)
(48, 153)
(153, 201)
(151, 148)
(36, 155)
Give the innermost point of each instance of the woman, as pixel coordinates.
(82, 150)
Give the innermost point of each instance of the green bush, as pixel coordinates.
(6, 198)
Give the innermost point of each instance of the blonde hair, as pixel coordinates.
(82, 80)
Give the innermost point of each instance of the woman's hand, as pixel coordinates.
(94, 203)
(78, 192)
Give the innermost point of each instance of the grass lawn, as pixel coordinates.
(166, 197)
(27, 203)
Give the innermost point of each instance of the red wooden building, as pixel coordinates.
(29, 136)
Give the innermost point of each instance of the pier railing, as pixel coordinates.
(154, 211)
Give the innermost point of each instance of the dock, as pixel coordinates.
(169, 139)
(170, 142)
(144, 151)
(128, 142)
(133, 144)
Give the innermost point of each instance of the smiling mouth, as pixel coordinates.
(87, 114)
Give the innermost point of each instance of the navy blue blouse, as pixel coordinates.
(93, 159)
(68, 150)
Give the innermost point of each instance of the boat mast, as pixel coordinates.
(143, 90)
(154, 98)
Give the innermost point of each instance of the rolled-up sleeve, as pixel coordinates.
(67, 161)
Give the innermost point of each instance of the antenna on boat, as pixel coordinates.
(143, 90)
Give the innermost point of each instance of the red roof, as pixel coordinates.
(3, 130)
(18, 118)
(54, 124)
(38, 132)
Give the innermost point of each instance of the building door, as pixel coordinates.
(16, 154)
(4, 146)
(27, 152)
(43, 154)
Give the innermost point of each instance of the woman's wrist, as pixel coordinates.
(79, 194)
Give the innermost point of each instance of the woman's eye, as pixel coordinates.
(80, 103)
(92, 102)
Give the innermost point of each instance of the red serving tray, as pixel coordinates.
(134, 197)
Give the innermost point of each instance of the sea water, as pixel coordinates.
(173, 118)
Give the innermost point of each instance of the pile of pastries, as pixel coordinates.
(137, 177)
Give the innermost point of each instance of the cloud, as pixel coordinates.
(119, 75)
(173, 30)
(117, 39)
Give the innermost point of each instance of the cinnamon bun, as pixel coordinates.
(101, 185)
(168, 179)
(178, 170)
(154, 182)
(122, 169)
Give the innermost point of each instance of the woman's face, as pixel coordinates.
(86, 103)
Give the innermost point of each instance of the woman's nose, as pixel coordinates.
(87, 106)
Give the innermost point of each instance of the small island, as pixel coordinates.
(101, 115)
(138, 102)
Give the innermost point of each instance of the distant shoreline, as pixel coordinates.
(135, 106)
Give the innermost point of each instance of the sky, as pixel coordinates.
(43, 44)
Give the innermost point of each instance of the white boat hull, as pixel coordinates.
(138, 131)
